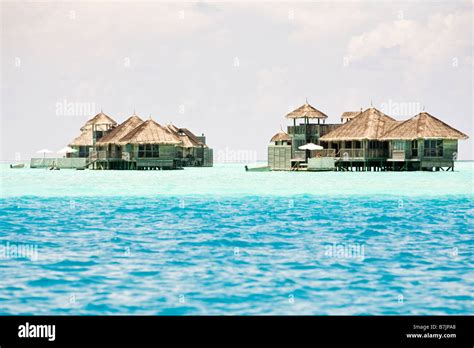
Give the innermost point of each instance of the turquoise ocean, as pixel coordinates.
(220, 240)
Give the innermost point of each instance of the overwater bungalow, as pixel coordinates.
(150, 146)
(365, 140)
(193, 152)
(423, 142)
(358, 143)
(134, 144)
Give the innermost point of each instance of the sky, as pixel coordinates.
(230, 70)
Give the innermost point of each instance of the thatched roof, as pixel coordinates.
(172, 128)
(187, 137)
(423, 126)
(306, 111)
(114, 136)
(349, 115)
(85, 139)
(150, 132)
(99, 119)
(280, 136)
(371, 124)
(190, 135)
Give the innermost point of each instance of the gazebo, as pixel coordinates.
(307, 112)
(305, 132)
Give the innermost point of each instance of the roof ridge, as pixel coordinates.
(422, 126)
(109, 136)
(445, 124)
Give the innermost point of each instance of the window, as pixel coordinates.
(414, 148)
(83, 151)
(433, 148)
(348, 144)
(399, 145)
(374, 144)
(148, 151)
(99, 134)
(357, 144)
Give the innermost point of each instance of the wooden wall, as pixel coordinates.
(279, 157)
(208, 158)
(166, 151)
(450, 149)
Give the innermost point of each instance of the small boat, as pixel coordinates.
(19, 165)
(257, 169)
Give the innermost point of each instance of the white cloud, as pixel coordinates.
(101, 24)
(386, 35)
(440, 39)
(311, 21)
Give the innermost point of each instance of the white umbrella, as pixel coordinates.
(44, 152)
(310, 146)
(66, 149)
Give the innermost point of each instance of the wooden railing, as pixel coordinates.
(377, 153)
(94, 155)
(312, 129)
(324, 153)
(304, 129)
(350, 153)
(299, 154)
(115, 154)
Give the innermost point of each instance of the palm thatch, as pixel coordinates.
(85, 139)
(172, 128)
(150, 132)
(280, 136)
(369, 125)
(306, 111)
(114, 136)
(100, 119)
(193, 138)
(423, 126)
(349, 115)
(187, 137)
